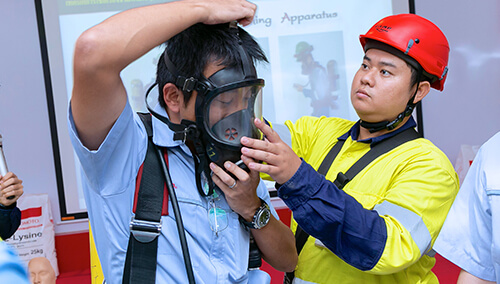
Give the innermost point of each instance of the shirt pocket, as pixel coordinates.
(194, 220)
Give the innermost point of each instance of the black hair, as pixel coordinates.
(194, 48)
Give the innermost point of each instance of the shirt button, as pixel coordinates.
(285, 196)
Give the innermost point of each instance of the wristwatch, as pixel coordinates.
(260, 218)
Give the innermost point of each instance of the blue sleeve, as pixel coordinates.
(353, 233)
(10, 219)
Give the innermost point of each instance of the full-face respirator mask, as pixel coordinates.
(226, 105)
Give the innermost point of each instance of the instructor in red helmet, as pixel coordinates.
(368, 197)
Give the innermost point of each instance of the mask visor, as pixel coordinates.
(231, 114)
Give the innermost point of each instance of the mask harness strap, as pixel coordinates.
(246, 62)
(188, 131)
(390, 125)
(201, 160)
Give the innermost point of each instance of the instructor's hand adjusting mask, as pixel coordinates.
(226, 106)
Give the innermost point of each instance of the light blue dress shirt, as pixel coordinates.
(470, 237)
(11, 269)
(108, 178)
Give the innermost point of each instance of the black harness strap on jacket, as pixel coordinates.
(140, 263)
(342, 179)
(300, 240)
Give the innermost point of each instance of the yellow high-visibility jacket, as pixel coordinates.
(381, 226)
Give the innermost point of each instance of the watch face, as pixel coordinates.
(263, 217)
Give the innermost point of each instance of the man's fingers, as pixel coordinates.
(268, 132)
(226, 11)
(12, 190)
(9, 194)
(271, 138)
(263, 168)
(221, 174)
(252, 8)
(216, 179)
(261, 145)
(247, 160)
(258, 155)
(258, 167)
(8, 182)
(238, 172)
(8, 176)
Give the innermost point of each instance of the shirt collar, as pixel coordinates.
(354, 132)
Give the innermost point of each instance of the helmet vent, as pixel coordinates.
(410, 44)
(444, 73)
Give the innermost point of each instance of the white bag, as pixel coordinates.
(464, 160)
(35, 236)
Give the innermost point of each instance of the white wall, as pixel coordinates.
(465, 113)
(24, 122)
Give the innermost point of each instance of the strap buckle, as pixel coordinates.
(186, 84)
(189, 84)
(145, 231)
(189, 132)
(341, 180)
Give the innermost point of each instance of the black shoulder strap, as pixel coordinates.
(332, 154)
(148, 123)
(376, 151)
(342, 179)
(300, 240)
(140, 263)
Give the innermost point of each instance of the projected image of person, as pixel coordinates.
(368, 197)
(319, 86)
(208, 95)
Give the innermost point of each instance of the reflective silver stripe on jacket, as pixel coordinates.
(411, 221)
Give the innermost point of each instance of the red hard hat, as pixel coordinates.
(416, 37)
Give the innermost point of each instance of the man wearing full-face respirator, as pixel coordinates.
(209, 94)
(227, 102)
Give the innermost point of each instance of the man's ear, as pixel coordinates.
(423, 89)
(173, 97)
